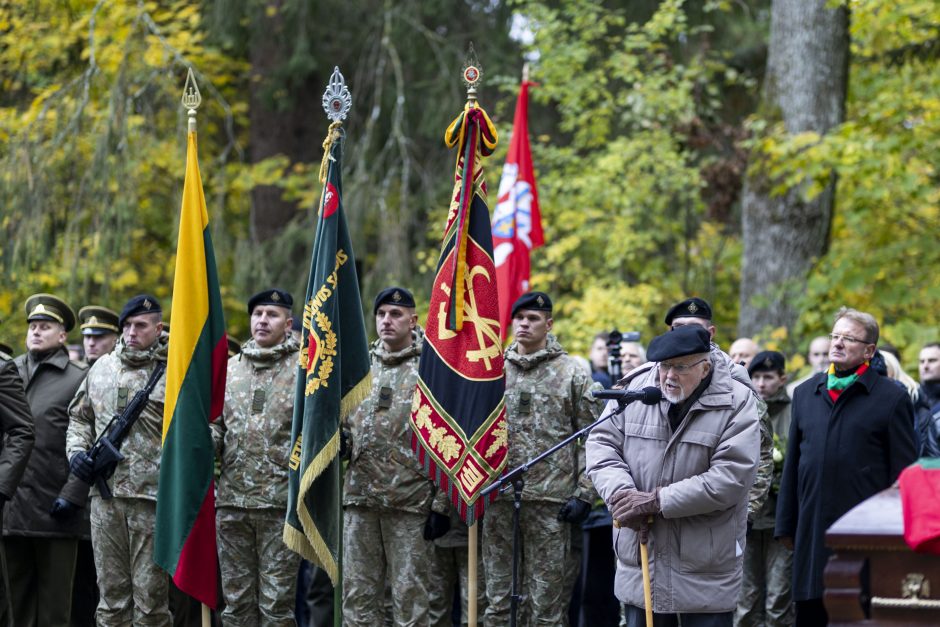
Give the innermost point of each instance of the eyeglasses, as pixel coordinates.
(680, 369)
(835, 337)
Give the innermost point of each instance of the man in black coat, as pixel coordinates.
(851, 434)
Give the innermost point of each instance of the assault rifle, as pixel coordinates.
(105, 454)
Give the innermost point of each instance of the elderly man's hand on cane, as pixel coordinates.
(631, 508)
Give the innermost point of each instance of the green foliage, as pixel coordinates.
(883, 252)
(621, 185)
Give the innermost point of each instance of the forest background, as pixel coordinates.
(662, 138)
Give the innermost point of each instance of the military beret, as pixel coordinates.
(767, 361)
(95, 320)
(140, 304)
(49, 307)
(393, 296)
(687, 340)
(273, 296)
(690, 308)
(6, 348)
(534, 301)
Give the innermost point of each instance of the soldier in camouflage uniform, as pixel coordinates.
(259, 572)
(451, 569)
(133, 588)
(766, 596)
(697, 311)
(548, 397)
(389, 524)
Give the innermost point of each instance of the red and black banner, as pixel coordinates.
(458, 415)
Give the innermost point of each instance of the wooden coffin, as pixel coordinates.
(873, 577)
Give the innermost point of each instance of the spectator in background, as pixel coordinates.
(817, 356)
(742, 351)
(598, 357)
(851, 434)
(928, 398)
(632, 355)
(766, 599)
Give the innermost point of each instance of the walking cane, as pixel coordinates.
(645, 563)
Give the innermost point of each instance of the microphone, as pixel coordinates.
(648, 396)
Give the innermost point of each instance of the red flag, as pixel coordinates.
(517, 223)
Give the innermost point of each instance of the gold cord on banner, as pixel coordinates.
(331, 136)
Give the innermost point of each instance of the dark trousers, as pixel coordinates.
(636, 617)
(41, 571)
(811, 613)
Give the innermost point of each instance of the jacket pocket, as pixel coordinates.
(707, 543)
(627, 546)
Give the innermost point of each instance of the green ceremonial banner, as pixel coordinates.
(332, 379)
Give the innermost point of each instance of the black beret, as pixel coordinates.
(273, 296)
(690, 308)
(393, 296)
(140, 304)
(687, 340)
(767, 360)
(97, 320)
(49, 307)
(534, 301)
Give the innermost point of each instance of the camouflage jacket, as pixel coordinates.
(548, 397)
(760, 490)
(778, 417)
(252, 437)
(111, 383)
(383, 471)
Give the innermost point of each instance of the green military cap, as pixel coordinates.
(49, 307)
(97, 320)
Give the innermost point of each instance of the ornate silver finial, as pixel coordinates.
(337, 99)
(472, 73)
(191, 98)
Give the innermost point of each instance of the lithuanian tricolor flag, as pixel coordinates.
(184, 542)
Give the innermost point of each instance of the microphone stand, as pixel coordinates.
(516, 477)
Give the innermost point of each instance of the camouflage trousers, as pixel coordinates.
(382, 545)
(450, 569)
(543, 579)
(766, 598)
(259, 572)
(133, 589)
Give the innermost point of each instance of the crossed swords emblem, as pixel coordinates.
(487, 329)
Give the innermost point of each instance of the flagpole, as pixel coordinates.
(472, 574)
(191, 101)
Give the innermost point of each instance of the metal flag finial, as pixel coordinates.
(191, 98)
(337, 99)
(472, 73)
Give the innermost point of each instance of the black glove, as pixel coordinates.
(62, 508)
(436, 525)
(82, 467)
(574, 511)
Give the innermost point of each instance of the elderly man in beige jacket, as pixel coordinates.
(686, 464)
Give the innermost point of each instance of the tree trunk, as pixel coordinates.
(285, 116)
(784, 235)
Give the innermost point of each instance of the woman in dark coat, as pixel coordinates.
(851, 434)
